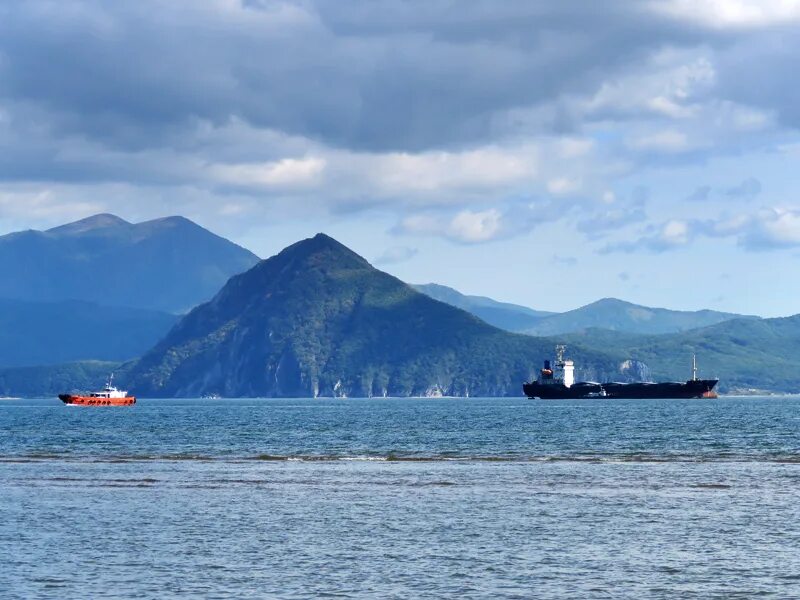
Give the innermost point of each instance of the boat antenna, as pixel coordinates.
(694, 367)
(560, 348)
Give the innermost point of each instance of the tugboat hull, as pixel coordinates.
(92, 401)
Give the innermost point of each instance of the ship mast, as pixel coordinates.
(694, 367)
(560, 348)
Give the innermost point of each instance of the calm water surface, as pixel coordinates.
(478, 498)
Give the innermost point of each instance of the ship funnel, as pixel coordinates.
(547, 364)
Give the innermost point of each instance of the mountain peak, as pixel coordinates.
(321, 243)
(98, 221)
(170, 221)
(610, 302)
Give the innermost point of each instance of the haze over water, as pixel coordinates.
(401, 498)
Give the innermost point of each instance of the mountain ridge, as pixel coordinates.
(168, 264)
(505, 315)
(620, 315)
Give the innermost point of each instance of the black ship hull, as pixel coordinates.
(694, 388)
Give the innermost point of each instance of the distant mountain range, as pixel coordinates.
(317, 319)
(511, 317)
(617, 315)
(168, 264)
(608, 313)
(41, 333)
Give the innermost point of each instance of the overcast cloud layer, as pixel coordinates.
(640, 127)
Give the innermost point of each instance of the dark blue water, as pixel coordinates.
(401, 499)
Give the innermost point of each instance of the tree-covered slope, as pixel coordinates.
(42, 333)
(617, 315)
(317, 319)
(168, 264)
(511, 317)
(50, 380)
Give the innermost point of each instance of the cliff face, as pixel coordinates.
(318, 320)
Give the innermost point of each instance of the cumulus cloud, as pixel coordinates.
(466, 226)
(485, 225)
(771, 228)
(732, 14)
(766, 229)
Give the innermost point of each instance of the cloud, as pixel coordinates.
(448, 118)
(700, 194)
(732, 14)
(287, 172)
(668, 140)
(562, 186)
(390, 77)
(486, 225)
(395, 254)
(466, 226)
(767, 229)
(747, 190)
(471, 227)
(614, 214)
(770, 229)
(567, 261)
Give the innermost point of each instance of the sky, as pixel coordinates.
(543, 153)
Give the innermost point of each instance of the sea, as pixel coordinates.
(401, 498)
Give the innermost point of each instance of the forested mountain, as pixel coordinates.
(317, 319)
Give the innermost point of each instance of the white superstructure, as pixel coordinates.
(109, 391)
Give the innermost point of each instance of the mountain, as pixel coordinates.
(511, 317)
(40, 333)
(617, 315)
(319, 320)
(168, 264)
(747, 355)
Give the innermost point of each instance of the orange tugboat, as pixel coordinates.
(108, 396)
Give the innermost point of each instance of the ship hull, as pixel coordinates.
(92, 401)
(695, 388)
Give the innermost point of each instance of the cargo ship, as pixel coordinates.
(557, 380)
(108, 396)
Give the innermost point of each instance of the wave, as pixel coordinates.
(390, 457)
